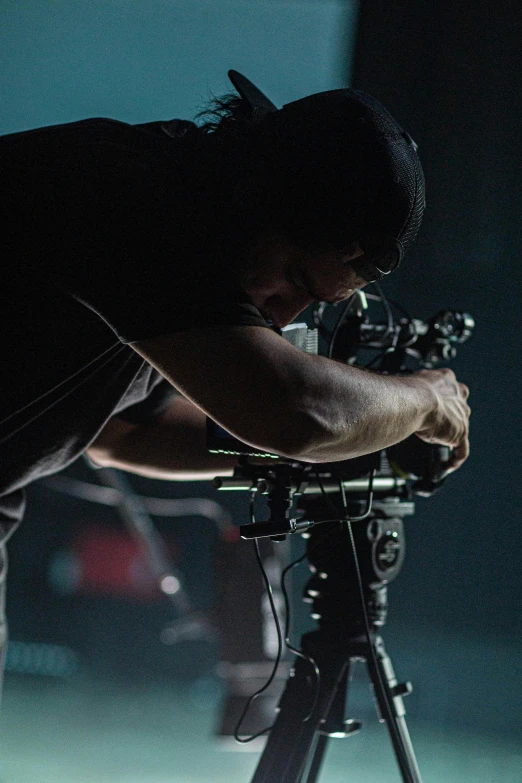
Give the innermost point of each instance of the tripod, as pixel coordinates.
(313, 709)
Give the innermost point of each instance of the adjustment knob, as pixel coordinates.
(314, 588)
(402, 689)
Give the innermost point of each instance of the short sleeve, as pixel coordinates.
(157, 402)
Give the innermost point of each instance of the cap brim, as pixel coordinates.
(250, 93)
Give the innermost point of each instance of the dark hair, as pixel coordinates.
(225, 112)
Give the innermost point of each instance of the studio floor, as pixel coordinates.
(90, 730)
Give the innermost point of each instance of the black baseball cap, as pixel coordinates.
(345, 147)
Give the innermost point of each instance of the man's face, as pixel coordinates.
(282, 280)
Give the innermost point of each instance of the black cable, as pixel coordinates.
(339, 517)
(388, 310)
(338, 325)
(385, 301)
(317, 316)
(401, 308)
(327, 498)
(391, 329)
(279, 642)
(390, 716)
(409, 320)
(289, 646)
(390, 326)
(348, 521)
(396, 344)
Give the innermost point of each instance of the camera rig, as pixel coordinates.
(400, 471)
(351, 515)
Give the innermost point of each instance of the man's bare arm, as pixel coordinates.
(172, 446)
(272, 396)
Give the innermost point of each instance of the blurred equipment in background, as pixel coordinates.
(138, 567)
(39, 659)
(135, 565)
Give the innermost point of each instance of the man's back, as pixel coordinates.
(97, 253)
(65, 371)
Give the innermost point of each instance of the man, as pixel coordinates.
(144, 258)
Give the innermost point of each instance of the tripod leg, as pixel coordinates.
(292, 738)
(335, 725)
(389, 693)
(315, 767)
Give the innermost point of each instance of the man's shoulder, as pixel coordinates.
(157, 137)
(85, 126)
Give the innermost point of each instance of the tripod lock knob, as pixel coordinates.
(402, 689)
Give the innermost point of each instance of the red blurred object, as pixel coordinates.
(113, 563)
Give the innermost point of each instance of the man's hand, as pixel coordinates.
(448, 422)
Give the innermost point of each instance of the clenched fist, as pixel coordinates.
(448, 421)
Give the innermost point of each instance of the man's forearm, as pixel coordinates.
(360, 412)
(272, 396)
(172, 447)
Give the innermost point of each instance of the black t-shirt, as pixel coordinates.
(101, 247)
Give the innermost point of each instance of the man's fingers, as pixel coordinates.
(458, 456)
(465, 390)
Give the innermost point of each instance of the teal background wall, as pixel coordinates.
(64, 60)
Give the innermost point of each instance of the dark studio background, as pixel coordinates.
(449, 73)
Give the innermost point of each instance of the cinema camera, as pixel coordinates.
(351, 514)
